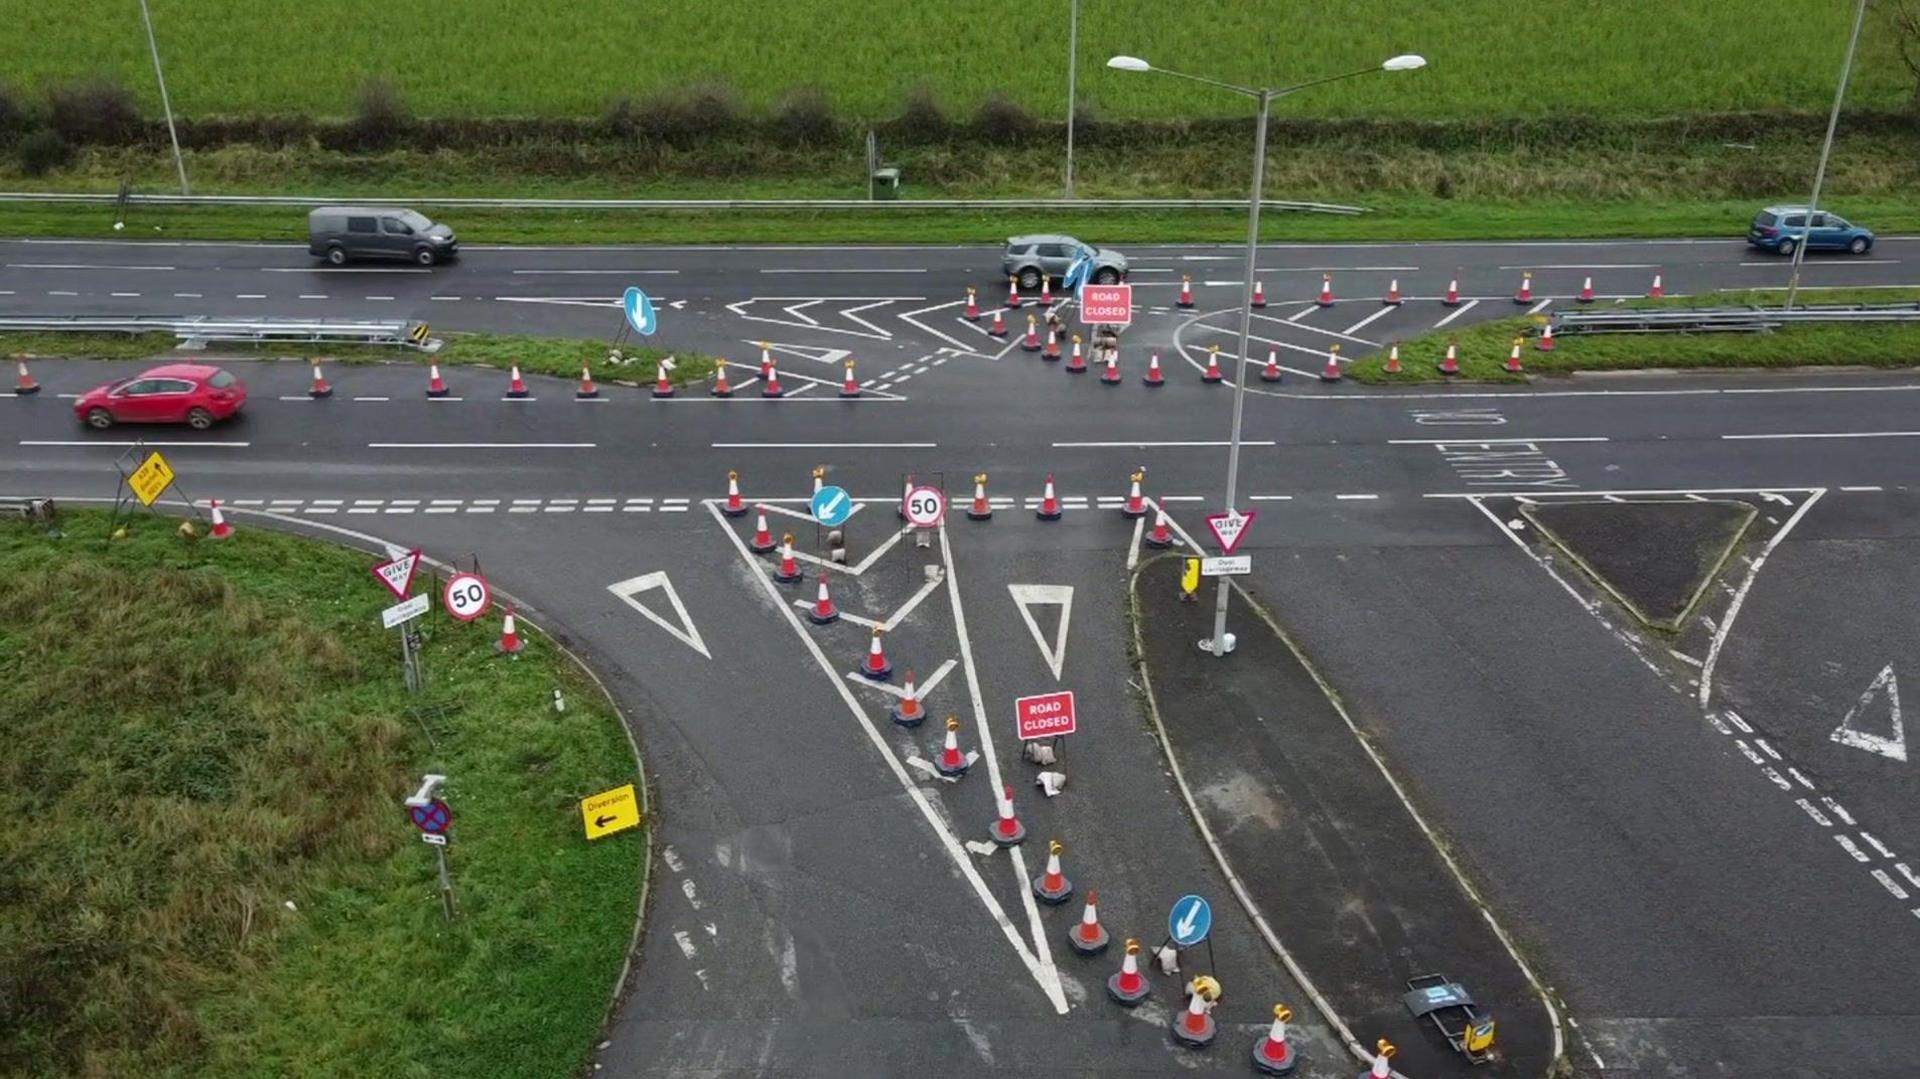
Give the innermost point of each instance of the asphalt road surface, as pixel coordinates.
(1709, 847)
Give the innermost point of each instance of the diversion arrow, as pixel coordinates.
(602, 822)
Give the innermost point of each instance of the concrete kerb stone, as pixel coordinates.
(1599, 580)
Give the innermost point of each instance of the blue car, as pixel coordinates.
(1781, 228)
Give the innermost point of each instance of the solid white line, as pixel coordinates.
(1356, 498)
(1849, 262)
(1826, 434)
(76, 266)
(1151, 445)
(143, 442)
(1472, 495)
(1457, 312)
(1133, 549)
(1587, 266)
(824, 445)
(1362, 324)
(903, 269)
(583, 273)
(1488, 441)
(350, 269)
(1740, 597)
(1539, 307)
(481, 445)
(893, 620)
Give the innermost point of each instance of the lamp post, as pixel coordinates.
(165, 104)
(1073, 61)
(1265, 97)
(1826, 148)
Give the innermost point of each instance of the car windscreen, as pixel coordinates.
(415, 221)
(1764, 219)
(221, 379)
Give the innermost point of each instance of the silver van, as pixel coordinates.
(340, 233)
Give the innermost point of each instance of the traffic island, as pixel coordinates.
(1297, 805)
(1656, 558)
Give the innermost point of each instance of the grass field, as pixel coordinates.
(500, 57)
(206, 870)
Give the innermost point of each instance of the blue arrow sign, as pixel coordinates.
(832, 506)
(639, 308)
(1189, 920)
(1077, 273)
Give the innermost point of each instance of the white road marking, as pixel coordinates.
(313, 295)
(1362, 324)
(1891, 745)
(124, 295)
(1887, 882)
(337, 269)
(1826, 434)
(171, 443)
(1818, 817)
(1355, 498)
(61, 292)
(824, 445)
(1457, 312)
(373, 398)
(1838, 810)
(1816, 262)
(1133, 548)
(882, 270)
(186, 295)
(443, 297)
(1875, 843)
(1539, 307)
(1028, 596)
(251, 296)
(893, 621)
(77, 266)
(1152, 445)
(1489, 441)
(481, 445)
(1847, 844)
(1259, 498)
(592, 273)
(1587, 266)
(686, 632)
(379, 297)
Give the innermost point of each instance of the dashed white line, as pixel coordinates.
(250, 296)
(1875, 843)
(1355, 498)
(1887, 882)
(313, 295)
(124, 295)
(1847, 844)
(1818, 817)
(1823, 434)
(481, 445)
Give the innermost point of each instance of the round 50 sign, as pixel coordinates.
(926, 506)
(467, 596)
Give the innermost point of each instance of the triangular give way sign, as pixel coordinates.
(397, 575)
(1229, 527)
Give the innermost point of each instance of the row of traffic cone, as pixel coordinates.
(1393, 298)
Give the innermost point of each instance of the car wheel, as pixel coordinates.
(199, 419)
(423, 256)
(1786, 247)
(1859, 245)
(337, 255)
(1108, 276)
(99, 419)
(1029, 278)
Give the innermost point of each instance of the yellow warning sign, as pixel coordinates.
(610, 811)
(1190, 579)
(419, 334)
(151, 479)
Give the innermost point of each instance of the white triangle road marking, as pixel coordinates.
(1026, 596)
(1893, 744)
(686, 633)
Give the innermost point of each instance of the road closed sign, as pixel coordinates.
(1045, 716)
(1110, 305)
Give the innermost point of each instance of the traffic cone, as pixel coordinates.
(1586, 291)
(436, 386)
(1077, 363)
(661, 386)
(1013, 292)
(516, 386)
(762, 540)
(1129, 987)
(1031, 343)
(1453, 293)
(1007, 829)
(981, 509)
(1545, 344)
(973, 306)
(906, 489)
(950, 762)
(1326, 290)
(1656, 291)
(1154, 377)
(1089, 937)
(766, 361)
(1161, 537)
(1212, 373)
(1383, 1052)
(1111, 376)
(1451, 364)
(999, 327)
(24, 385)
(1194, 1027)
(319, 388)
(1513, 358)
(876, 666)
(1049, 504)
(1331, 372)
(509, 643)
(1273, 1054)
(1186, 292)
(1046, 290)
(848, 387)
(788, 572)
(1259, 294)
(770, 387)
(1052, 351)
(1051, 886)
(734, 507)
(1525, 294)
(819, 478)
(823, 612)
(587, 391)
(908, 712)
(1271, 372)
(1393, 293)
(1393, 359)
(721, 387)
(1136, 503)
(221, 529)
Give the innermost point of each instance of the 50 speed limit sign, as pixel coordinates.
(926, 507)
(467, 596)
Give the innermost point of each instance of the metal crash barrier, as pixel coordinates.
(198, 331)
(1724, 319)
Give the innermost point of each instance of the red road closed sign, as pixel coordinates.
(1110, 305)
(1044, 716)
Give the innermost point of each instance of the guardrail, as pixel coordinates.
(1725, 319)
(158, 199)
(197, 331)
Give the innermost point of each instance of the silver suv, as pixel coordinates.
(1027, 257)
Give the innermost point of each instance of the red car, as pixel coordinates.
(191, 393)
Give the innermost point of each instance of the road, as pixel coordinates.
(1627, 825)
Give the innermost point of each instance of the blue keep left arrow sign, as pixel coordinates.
(639, 308)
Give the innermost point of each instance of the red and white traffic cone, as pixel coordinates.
(319, 388)
(1052, 886)
(1525, 293)
(1052, 351)
(1049, 503)
(1089, 937)
(1383, 1052)
(908, 712)
(973, 306)
(1656, 291)
(24, 385)
(1154, 376)
(509, 643)
(1212, 373)
(1259, 294)
(1393, 359)
(770, 386)
(1450, 364)
(735, 506)
(516, 386)
(1186, 292)
(906, 492)
(221, 529)
(1013, 292)
(1513, 358)
(823, 612)
(1007, 829)
(762, 540)
(849, 387)
(1271, 372)
(999, 327)
(1545, 344)
(1453, 293)
(1194, 1027)
(766, 361)
(1273, 1054)
(1110, 376)
(1031, 342)
(721, 387)
(1326, 291)
(1161, 537)
(950, 762)
(1136, 502)
(1076, 363)
(1586, 291)
(1129, 987)
(1046, 290)
(819, 478)
(662, 386)
(980, 509)
(876, 666)
(436, 386)
(1331, 372)
(1392, 298)
(587, 391)
(788, 572)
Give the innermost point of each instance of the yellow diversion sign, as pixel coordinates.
(610, 811)
(151, 479)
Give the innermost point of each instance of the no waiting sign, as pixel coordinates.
(1044, 716)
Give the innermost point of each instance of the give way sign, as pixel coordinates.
(397, 574)
(1230, 527)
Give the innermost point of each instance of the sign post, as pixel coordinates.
(396, 576)
(434, 817)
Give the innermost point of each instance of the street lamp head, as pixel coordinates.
(1407, 62)
(1129, 63)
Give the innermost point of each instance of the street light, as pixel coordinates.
(1826, 150)
(1405, 62)
(166, 105)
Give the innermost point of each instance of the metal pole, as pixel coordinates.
(1246, 337)
(1073, 50)
(446, 882)
(165, 104)
(1826, 149)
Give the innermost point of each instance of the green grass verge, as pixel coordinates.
(559, 356)
(1484, 346)
(199, 735)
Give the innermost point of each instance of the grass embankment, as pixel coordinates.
(206, 868)
(558, 356)
(1484, 347)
